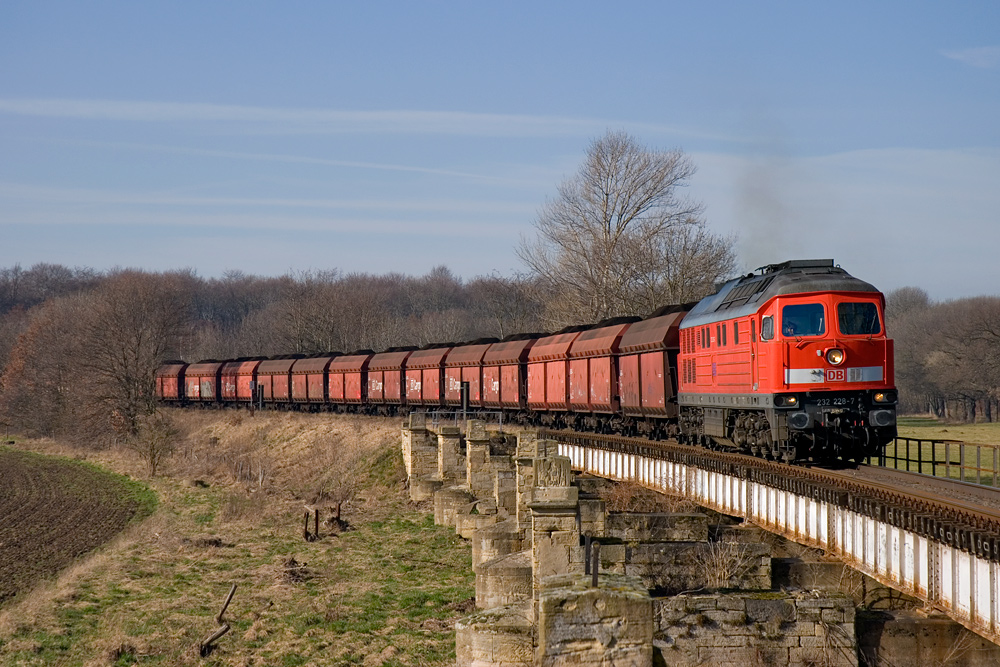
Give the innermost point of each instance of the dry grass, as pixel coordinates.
(385, 592)
(633, 497)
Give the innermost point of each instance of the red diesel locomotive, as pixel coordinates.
(790, 363)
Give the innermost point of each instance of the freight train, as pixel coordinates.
(790, 362)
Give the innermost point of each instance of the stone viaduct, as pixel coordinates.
(560, 580)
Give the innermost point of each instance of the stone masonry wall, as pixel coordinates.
(738, 629)
(594, 627)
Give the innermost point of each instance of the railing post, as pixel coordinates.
(979, 464)
(995, 450)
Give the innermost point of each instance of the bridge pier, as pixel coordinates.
(527, 516)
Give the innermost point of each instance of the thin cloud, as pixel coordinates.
(83, 196)
(315, 120)
(985, 57)
(278, 223)
(279, 157)
(333, 121)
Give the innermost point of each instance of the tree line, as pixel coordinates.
(80, 362)
(947, 354)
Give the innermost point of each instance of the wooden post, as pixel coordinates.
(229, 598)
(305, 529)
(316, 522)
(205, 648)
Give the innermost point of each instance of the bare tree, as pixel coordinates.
(340, 481)
(900, 302)
(40, 389)
(153, 440)
(133, 322)
(509, 304)
(609, 243)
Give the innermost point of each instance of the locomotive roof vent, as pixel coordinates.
(797, 264)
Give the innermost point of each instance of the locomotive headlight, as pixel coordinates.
(835, 356)
(786, 400)
(884, 397)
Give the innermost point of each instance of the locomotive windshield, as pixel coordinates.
(858, 319)
(803, 319)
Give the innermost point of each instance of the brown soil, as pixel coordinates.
(52, 511)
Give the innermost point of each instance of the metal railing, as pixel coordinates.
(952, 459)
(461, 417)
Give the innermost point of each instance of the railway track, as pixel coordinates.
(953, 513)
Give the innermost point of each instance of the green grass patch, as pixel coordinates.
(928, 428)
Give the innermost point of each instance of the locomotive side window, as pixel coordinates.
(803, 319)
(766, 327)
(736, 333)
(858, 319)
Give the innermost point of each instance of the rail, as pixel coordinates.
(952, 459)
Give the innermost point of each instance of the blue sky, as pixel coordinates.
(398, 136)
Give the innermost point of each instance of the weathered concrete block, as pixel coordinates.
(765, 611)
(914, 638)
(770, 628)
(420, 456)
(422, 489)
(451, 464)
(450, 502)
(809, 575)
(528, 445)
(478, 472)
(552, 471)
(608, 625)
(466, 525)
(505, 488)
(592, 516)
(671, 567)
(495, 541)
(657, 527)
(505, 581)
(557, 496)
(501, 637)
(475, 431)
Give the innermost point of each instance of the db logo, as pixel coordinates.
(836, 375)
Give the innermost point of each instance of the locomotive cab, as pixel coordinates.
(834, 388)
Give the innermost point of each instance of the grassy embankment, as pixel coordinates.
(384, 592)
(928, 428)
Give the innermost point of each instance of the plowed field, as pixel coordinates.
(53, 510)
